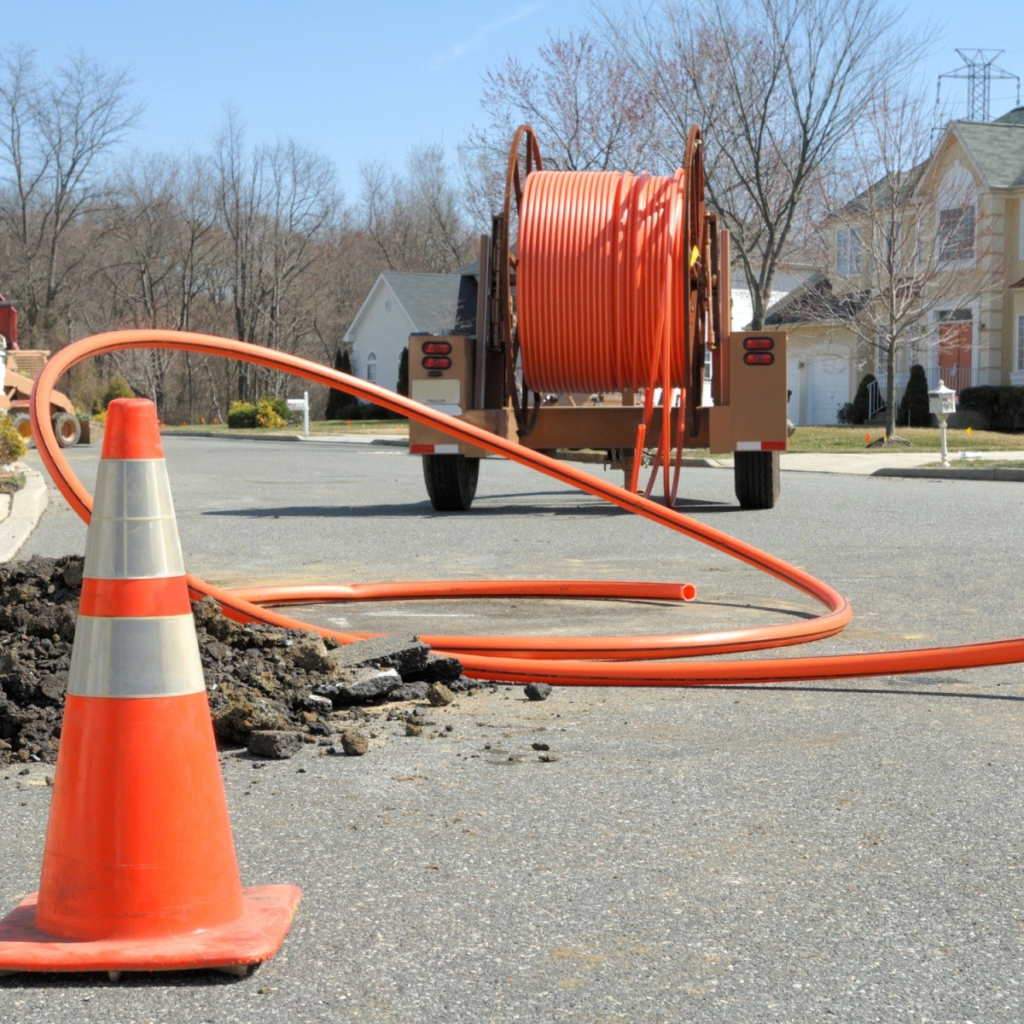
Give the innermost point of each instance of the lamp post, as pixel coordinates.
(942, 403)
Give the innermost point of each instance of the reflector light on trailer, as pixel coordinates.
(436, 363)
(759, 344)
(760, 446)
(758, 358)
(436, 348)
(433, 449)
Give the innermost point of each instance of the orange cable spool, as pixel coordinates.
(600, 278)
(604, 290)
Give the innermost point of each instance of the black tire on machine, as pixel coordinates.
(451, 481)
(757, 479)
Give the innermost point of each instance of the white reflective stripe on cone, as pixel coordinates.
(135, 657)
(132, 531)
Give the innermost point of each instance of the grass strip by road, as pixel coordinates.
(835, 440)
(318, 428)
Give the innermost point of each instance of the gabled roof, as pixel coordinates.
(891, 189)
(814, 302)
(429, 300)
(996, 147)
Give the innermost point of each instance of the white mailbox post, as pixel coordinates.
(301, 405)
(942, 402)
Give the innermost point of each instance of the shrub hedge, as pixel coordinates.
(12, 446)
(242, 415)
(1001, 407)
(914, 410)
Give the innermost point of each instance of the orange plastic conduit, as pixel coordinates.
(600, 291)
(605, 661)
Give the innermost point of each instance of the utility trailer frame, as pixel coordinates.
(476, 374)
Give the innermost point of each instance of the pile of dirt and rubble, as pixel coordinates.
(270, 689)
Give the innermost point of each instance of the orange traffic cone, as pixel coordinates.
(139, 870)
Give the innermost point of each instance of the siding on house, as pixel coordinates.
(974, 328)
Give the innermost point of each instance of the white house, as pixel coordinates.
(398, 305)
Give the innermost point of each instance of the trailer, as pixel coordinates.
(18, 369)
(599, 306)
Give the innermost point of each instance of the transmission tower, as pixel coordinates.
(979, 69)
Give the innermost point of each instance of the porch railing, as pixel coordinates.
(955, 377)
(876, 399)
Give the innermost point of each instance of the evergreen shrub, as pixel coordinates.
(914, 410)
(12, 446)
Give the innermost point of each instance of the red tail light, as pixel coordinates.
(436, 348)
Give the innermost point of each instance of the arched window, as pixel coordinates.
(371, 367)
(958, 205)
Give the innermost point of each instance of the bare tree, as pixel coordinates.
(54, 136)
(776, 85)
(415, 221)
(590, 109)
(909, 253)
(275, 206)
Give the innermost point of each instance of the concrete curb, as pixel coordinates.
(368, 439)
(230, 437)
(27, 506)
(1013, 475)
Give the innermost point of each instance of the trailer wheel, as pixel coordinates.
(757, 479)
(451, 481)
(23, 425)
(67, 428)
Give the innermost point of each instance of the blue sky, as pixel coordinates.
(363, 81)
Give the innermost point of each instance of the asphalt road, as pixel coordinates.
(839, 851)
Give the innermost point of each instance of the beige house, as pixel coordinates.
(939, 251)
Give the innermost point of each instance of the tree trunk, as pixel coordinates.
(890, 389)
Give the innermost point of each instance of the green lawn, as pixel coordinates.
(855, 439)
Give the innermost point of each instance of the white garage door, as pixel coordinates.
(793, 380)
(828, 381)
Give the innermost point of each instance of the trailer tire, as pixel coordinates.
(67, 428)
(757, 479)
(23, 425)
(451, 481)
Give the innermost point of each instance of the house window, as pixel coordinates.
(956, 233)
(371, 368)
(956, 227)
(848, 252)
(1020, 341)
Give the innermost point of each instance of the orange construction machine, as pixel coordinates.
(18, 370)
(598, 318)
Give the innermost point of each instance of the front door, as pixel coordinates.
(955, 348)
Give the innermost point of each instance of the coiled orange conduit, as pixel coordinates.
(607, 661)
(595, 252)
(600, 292)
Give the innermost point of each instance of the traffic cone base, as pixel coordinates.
(139, 869)
(253, 937)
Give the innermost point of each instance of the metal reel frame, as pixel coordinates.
(523, 159)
